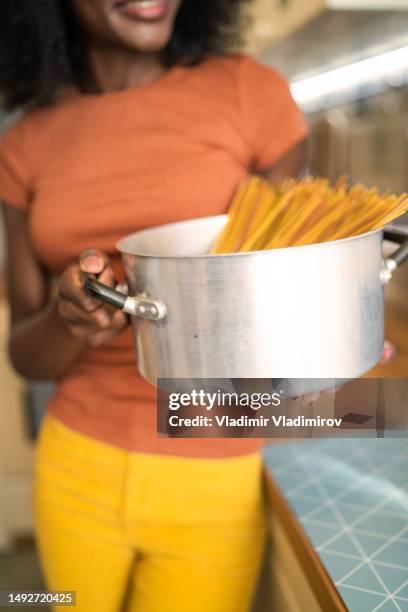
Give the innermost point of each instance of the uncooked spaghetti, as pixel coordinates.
(303, 212)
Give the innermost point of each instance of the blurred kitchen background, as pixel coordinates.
(347, 61)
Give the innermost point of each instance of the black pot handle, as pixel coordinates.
(137, 306)
(399, 235)
(105, 294)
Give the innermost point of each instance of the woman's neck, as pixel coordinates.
(111, 69)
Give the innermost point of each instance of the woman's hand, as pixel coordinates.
(86, 317)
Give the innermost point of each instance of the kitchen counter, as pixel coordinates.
(344, 503)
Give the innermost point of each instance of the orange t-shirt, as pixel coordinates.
(93, 168)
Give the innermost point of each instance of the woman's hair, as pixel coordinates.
(40, 49)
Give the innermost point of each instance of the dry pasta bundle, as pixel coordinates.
(303, 212)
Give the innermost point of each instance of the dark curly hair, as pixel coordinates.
(40, 50)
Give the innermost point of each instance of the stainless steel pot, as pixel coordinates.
(304, 312)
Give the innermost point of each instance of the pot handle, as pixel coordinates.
(399, 235)
(137, 306)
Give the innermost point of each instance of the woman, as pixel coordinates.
(136, 115)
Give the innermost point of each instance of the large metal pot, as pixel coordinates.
(304, 312)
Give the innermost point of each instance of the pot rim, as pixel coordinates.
(126, 251)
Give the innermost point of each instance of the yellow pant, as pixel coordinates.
(150, 533)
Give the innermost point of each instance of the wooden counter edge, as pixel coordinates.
(320, 582)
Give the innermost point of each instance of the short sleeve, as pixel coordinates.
(14, 175)
(272, 121)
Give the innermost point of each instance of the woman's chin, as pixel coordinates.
(146, 38)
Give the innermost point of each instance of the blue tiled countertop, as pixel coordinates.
(351, 497)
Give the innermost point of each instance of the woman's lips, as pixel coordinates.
(146, 10)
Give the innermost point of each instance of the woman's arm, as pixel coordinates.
(291, 165)
(48, 333)
(40, 344)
